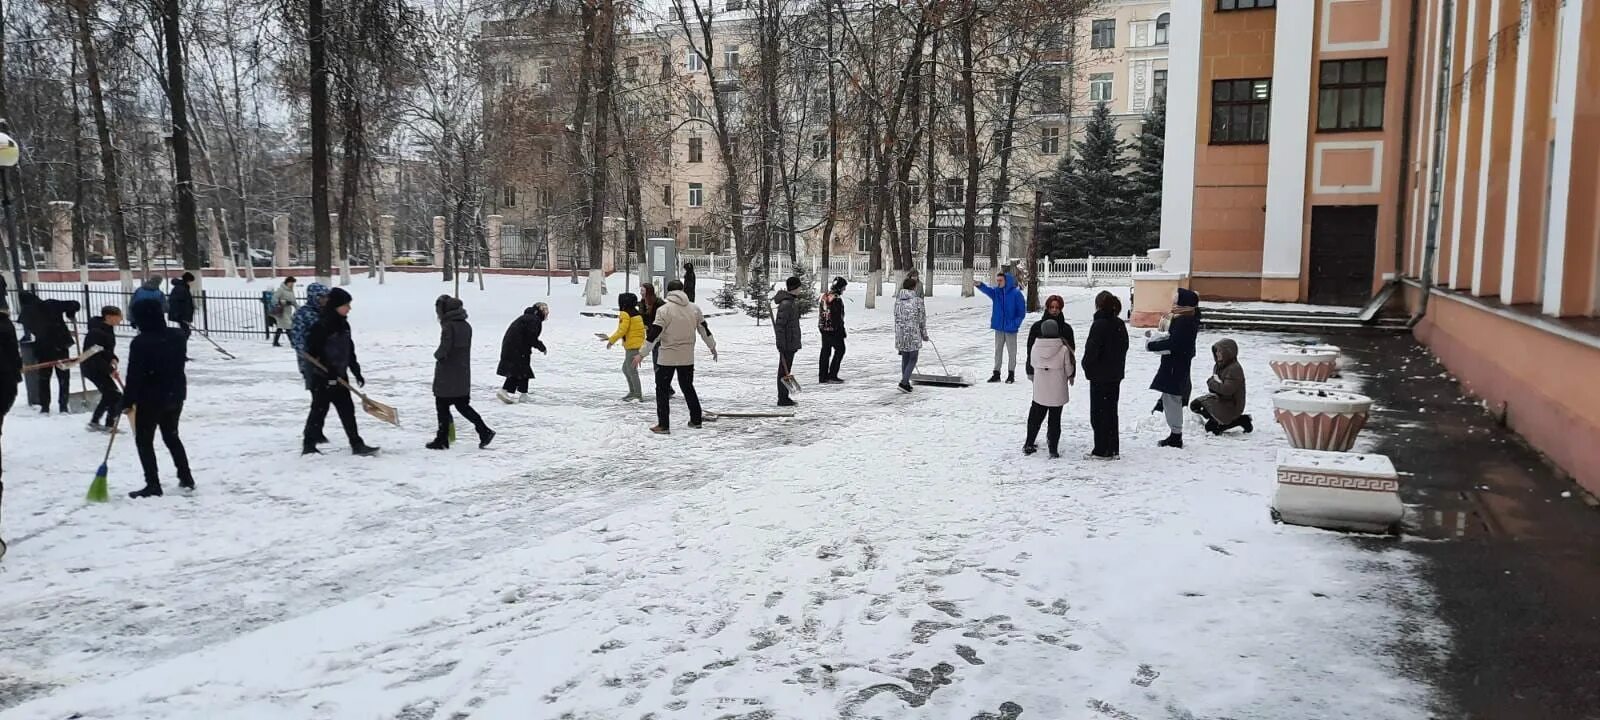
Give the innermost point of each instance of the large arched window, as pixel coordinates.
(1162, 23)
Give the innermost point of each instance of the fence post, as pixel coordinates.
(1088, 272)
(88, 306)
(205, 312)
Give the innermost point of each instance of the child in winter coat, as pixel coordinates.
(1054, 369)
(331, 343)
(101, 368)
(1105, 357)
(1223, 407)
(910, 329)
(452, 373)
(630, 330)
(156, 388)
(516, 352)
(1005, 319)
(1177, 353)
(46, 321)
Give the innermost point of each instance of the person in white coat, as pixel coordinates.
(284, 303)
(1054, 370)
(910, 329)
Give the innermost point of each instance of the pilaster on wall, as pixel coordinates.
(1183, 123)
(1286, 159)
(1467, 130)
(1574, 230)
(1496, 146)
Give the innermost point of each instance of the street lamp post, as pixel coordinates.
(9, 155)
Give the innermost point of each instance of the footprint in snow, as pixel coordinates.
(1145, 676)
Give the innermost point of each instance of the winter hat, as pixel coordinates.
(153, 282)
(1050, 329)
(188, 277)
(147, 316)
(839, 283)
(337, 297)
(314, 292)
(628, 302)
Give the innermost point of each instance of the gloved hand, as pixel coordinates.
(361, 382)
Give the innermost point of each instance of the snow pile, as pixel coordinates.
(881, 555)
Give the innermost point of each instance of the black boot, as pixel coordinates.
(485, 436)
(1011, 377)
(321, 440)
(1215, 429)
(186, 482)
(150, 489)
(1055, 454)
(363, 449)
(441, 441)
(995, 377)
(309, 447)
(1174, 440)
(1029, 449)
(1246, 423)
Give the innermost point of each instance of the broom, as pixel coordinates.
(99, 490)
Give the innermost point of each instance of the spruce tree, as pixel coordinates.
(1056, 238)
(1100, 222)
(1145, 180)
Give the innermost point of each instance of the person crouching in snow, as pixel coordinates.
(1054, 369)
(516, 352)
(153, 397)
(1223, 407)
(452, 373)
(630, 330)
(1177, 353)
(332, 345)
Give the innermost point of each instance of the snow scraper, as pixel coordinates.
(372, 407)
(945, 380)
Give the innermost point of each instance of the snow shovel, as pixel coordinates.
(62, 364)
(945, 380)
(219, 348)
(372, 407)
(715, 416)
(788, 380)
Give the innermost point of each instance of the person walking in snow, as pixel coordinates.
(10, 377)
(46, 321)
(1223, 406)
(157, 386)
(1054, 370)
(452, 373)
(1054, 309)
(910, 329)
(101, 368)
(650, 304)
(283, 310)
(331, 345)
(305, 318)
(786, 329)
(677, 323)
(830, 323)
(1105, 359)
(180, 303)
(1177, 353)
(688, 281)
(1005, 319)
(149, 290)
(630, 331)
(516, 352)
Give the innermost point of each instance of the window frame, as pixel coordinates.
(1050, 140)
(1361, 88)
(1163, 76)
(1109, 27)
(953, 191)
(695, 237)
(819, 147)
(1254, 5)
(1108, 81)
(696, 149)
(697, 195)
(692, 61)
(1252, 103)
(862, 243)
(509, 196)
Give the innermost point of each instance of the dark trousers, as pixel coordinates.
(515, 384)
(785, 367)
(185, 328)
(276, 334)
(685, 375)
(1036, 417)
(338, 397)
(832, 355)
(146, 421)
(1103, 397)
(110, 397)
(63, 380)
(8, 397)
(463, 406)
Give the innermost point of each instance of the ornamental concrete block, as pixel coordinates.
(1337, 491)
(1328, 420)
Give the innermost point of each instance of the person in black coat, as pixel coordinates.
(516, 352)
(333, 348)
(180, 303)
(830, 322)
(452, 373)
(156, 388)
(1105, 361)
(786, 326)
(1054, 309)
(10, 376)
(1177, 354)
(101, 368)
(46, 321)
(688, 280)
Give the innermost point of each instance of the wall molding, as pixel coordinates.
(1382, 43)
(1376, 185)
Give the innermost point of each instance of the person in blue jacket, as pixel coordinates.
(149, 290)
(1177, 353)
(1005, 319)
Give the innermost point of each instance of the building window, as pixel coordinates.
(676, 11)
(697, 107)
(1240, 110)
(1050, 92)
(730, 58)
(1351, 94)
(1050, 140)
(510, 197)
(630, 69)
(819, 147)
(543, 195)
(819, 193)
(733, 5)
(696, 150)
(1100, 87)
(697, 195)
(862, 245)
(954, 191)
(1163, 27)
(1245, 4)
(697, 237)
(1104, 35)
(946, 243)
(543, 75)
(1158, 84)
(548, 157)
(693, 62)
(666, 195)
(1055, 36)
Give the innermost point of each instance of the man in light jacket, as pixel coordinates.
(677, 323)
(786, 328)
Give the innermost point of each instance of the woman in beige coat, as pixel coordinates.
(1054, 370)
(284, 304)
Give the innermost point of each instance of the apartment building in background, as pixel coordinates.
(1122, 61)
(1320, 149)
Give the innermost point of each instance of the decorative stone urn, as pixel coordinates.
(1337, 491)
(1159, 256)
(1315, 363)
(1321, 419)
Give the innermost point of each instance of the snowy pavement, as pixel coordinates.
(879, 556)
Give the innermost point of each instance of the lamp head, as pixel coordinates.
(9, 152)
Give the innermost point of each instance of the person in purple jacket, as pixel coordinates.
(1005, 319)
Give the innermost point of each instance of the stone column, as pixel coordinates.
(550, 250)
(220, 258)
(280, 241)
(341, 250)
(438, 240)
(385, 238)
(60, 235)
(496, 246)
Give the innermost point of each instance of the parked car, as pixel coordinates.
(166, 262)
(101, 262)
(413, 257)
(260, 258)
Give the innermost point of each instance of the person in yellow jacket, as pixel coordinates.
(630, 331)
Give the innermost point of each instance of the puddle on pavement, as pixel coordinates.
(1445, 515)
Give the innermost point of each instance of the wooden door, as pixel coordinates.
(1344, 247)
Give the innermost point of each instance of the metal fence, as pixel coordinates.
(228, 314)
(1091, 271)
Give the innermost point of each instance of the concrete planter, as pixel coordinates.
(1315, 363)
(1337, 491)
(1321, 419)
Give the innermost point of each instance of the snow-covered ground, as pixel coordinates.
(878, 556)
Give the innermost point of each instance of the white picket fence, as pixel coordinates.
(1086, 272)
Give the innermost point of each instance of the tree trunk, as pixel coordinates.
(177, 99)
(352, 156)
(594, 229)
(321, 233)
(110, 171)
(1002, 183)
(969, 220)
(833, 154)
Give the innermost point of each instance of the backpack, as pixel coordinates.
(825, 313)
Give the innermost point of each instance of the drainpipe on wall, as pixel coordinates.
(1406, 117)
(1440, 135)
